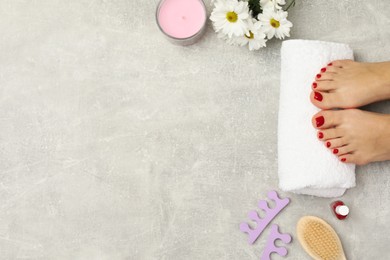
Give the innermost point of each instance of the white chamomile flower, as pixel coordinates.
(276, 4)
(275, 23)
(255, 38)
(230, 17)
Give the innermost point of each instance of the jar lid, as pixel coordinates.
(342, 210)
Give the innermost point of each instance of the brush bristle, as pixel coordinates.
(320, 239)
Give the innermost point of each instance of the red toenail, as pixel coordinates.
(328, 144)
(335, 151)
(343, 159)
(318, 96)
(320, 121)
(314, 85)
(330, 64)
(318, 76)
(320, 135)
(323, 69)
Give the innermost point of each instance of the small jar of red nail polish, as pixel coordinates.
(340, 210)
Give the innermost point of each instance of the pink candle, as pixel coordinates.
(183, 21)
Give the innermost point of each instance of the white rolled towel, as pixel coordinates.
(306, 166)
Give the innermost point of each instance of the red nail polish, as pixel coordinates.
(328, 144)
(314, 85)
(318, 96)
(343, 159)
(318, 76)
(335, 151)
(320, 121)
(330, 64)
(320, 135)
(340, 209)
(323, 69)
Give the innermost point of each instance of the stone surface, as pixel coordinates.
(115, 144)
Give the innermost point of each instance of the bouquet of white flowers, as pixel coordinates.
(252, 22)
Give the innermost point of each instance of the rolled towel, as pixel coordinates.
(306, 166)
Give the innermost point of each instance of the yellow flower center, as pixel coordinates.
(251, 36)
(232, 17)
(274, 23)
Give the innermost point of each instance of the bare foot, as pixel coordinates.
(350, 84)
(355, 136)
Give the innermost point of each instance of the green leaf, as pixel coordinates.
(254, 5)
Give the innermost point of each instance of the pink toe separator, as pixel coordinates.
(271, 246)
(253, 234)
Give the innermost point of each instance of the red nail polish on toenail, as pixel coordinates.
(320, 121)
(330, 64)
(320, 135)
(343, 159)
(318, 76)
(314, 85)
(318, 96)
(335, 151)
(328, 144)
(323, 69)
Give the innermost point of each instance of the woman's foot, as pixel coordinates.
(350, 84)
(355, 136)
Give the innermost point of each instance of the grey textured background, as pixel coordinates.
(115, 144)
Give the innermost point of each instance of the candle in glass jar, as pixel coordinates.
(182, 21)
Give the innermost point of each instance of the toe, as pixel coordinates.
(325, 100)
(347, 158)
(326, 119)
(325, 85)
(340, 151)
(335, 143)
(324, 76)
(330, 133)
(340, 63)
(332, 69)
(353, 157)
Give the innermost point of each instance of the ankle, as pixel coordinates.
(384, 72)
(386, 136)
(381, 70)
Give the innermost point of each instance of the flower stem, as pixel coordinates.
(292, 4)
